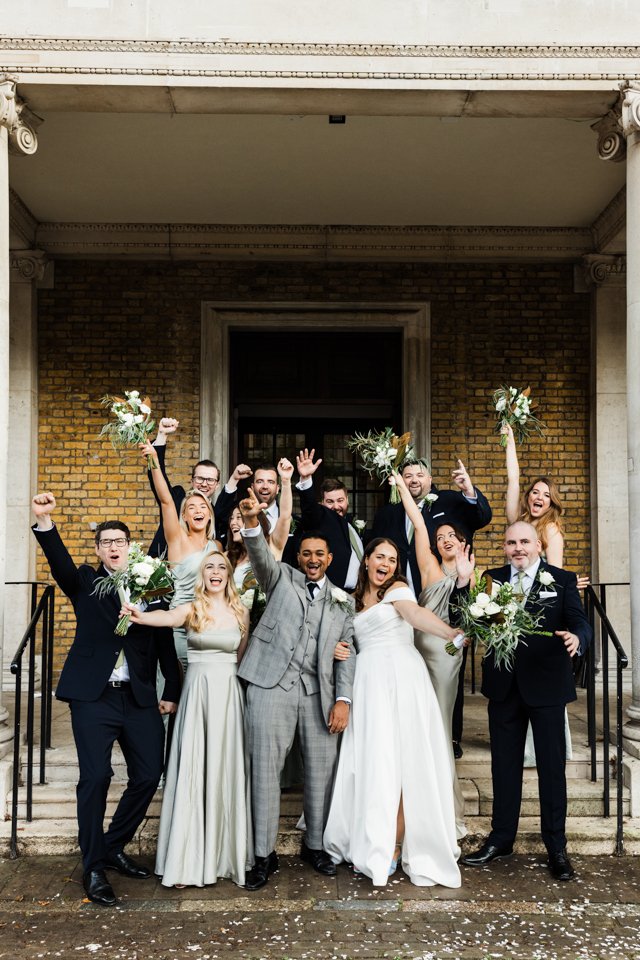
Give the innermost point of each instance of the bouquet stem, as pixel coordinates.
(152, 463)
(123, 625)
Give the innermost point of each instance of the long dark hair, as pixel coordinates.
(363, 579)
(236, 550)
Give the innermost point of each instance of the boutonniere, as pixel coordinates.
(358, 525)
(341, 599)
(430, 499)
(545, 578)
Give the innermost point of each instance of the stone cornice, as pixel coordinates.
(311, 242)
(610, 223)
(21, 221)
(261, 48)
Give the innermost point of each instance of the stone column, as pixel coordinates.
(30, 270)
(20, 136)
(606, 276)
(630, 122)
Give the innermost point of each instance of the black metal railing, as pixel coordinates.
(42, 614)
(595, 600)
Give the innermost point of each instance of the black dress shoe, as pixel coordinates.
(457, 749)
(98, 888)
(319, 860)
(126, 866)
(261, 871)
(560, 866)
(486, 853)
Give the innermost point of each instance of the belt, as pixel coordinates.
(116, 684)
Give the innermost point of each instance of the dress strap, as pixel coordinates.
(400, 593)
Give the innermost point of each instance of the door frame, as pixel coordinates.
(218, 318)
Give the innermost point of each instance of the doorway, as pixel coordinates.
(302, 389)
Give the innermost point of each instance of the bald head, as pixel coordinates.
(522, 548)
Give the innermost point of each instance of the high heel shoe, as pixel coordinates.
(396, 860)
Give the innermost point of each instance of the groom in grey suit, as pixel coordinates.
(294, 682)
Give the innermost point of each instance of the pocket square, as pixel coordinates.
(547, 594)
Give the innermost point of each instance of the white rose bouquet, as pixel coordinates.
(515, 408)
(490, 616)
(142, 578)
(132, 421)
(252, 597)
(382, 453)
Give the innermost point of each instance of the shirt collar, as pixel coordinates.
(530, 572)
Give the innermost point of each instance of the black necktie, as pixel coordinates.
(311, 587)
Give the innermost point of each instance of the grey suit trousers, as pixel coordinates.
(272, 717)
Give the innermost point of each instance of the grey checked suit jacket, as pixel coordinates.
(274, 639)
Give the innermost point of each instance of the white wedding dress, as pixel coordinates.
(394, 745)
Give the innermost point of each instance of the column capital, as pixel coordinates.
(29, 266)
(601, 269)
(16, 117)
(611, 139)
(630, 119)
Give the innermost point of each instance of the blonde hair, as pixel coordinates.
(553, 514)
(190, 495)
(199, 616)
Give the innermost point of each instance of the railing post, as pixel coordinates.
(13, 852)
(30, 715)
(44, 681)
(50, 636)
(619, 767)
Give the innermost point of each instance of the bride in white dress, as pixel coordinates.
(393, 795)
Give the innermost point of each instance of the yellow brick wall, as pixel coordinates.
(107, 326)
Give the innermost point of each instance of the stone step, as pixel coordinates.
(584, 798)
(585, 835)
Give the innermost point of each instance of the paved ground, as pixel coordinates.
(511, 910)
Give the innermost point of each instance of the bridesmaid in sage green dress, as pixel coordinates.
(438, 574)
(189, 540)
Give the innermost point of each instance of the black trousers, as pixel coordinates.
(508, 721)
(97, 725)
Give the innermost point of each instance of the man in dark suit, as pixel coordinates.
(331, 518)
(537, 689)
(466, 507)
(110, 685)
(205, 478)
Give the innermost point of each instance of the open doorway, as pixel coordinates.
(298, 389)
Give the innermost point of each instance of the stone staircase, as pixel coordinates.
(53, 828)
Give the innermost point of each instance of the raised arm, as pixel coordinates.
(264, 565)
(421, 618)
(166, 426)
(280, 533)
(311, 510)
(513, 476)
(63, 569)
(157, 618)
(428, 565)
(170, 521)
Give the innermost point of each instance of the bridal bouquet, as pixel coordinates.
(491, 616)
(382, 453)
(132, 421)
(515, 407)
(142, 578)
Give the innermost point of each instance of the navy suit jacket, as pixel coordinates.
(315, 516)
(96, 647)
(542, 670)
(450, 507)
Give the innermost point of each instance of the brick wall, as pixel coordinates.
(111, 325)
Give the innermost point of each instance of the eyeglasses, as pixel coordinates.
(116, 542)
(210, 481)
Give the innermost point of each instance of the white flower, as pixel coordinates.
(142, 571)
(138, 418)
(483, 600)
(126, 418)
(132, 394)
(247, 598)
(501, 404)
(431, 498)
(492, 608)
(495, 588)
(511, 607)
(338, 595)
(144, 408)
(359, 524)
(513, 391)
(475, 610)
(545, 578)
